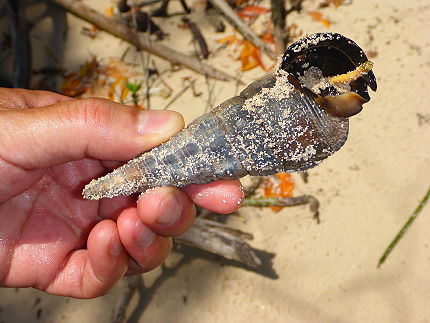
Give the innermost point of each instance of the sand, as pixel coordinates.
(321, 273)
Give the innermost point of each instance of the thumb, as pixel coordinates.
(72, 130)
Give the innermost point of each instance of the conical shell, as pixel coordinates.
(274, 125)
(270, 127)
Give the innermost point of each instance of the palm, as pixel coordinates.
(48, 218)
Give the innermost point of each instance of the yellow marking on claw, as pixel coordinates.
(361, 70)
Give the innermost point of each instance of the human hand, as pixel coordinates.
(50, 237)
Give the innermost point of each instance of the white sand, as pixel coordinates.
(327, 272)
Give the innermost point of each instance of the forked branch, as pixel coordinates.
(140, 40)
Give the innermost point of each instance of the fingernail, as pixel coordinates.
(170, 209)
(158, 122)
(115, 247)
(145, 236)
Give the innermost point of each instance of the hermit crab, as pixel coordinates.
(289, 120)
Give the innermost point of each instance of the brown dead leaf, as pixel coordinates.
(77, 83)
(101, 79)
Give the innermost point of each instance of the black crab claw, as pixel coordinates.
(333, 54)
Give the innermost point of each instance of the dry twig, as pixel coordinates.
(141, 41)
(130, 283)
(197, 37)
(286, 201)
(220, 239)
(241, 27)
(21, 48)
(177, 95)
(278, 18)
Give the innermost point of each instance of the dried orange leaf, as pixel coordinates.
(286, 184)
(90, 32)
(318, 16)
(112, 88)
(257, 57)
(252, 11)
(250, 56)
(230, 40)
(335, 3)
(116, 68)
(268, 37)
(249, 65)
(109, 11)
(279, 185)
(124, 92)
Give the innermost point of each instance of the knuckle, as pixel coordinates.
(94, 112)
